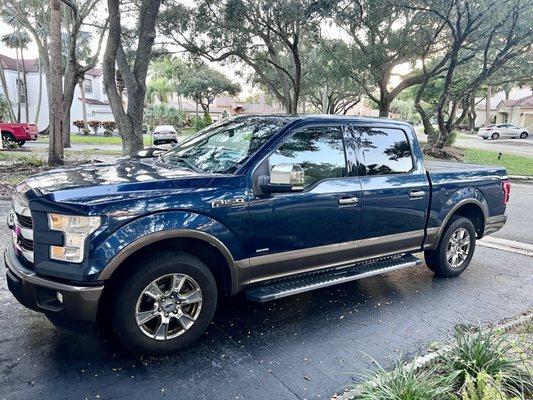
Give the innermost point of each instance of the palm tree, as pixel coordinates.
(10, 112)
(19, 40)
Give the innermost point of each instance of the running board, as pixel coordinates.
(305, 283)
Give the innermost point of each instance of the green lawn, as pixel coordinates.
(92, 139)
(516, 165)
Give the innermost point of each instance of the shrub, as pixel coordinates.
(472, 355)
(109, 127)
(451, 138)
(200, 122)
(403, 383)
(95, 124)
(80, 125)
(484, 387)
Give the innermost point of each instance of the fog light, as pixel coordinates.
(59, 297)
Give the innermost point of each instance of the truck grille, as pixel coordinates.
(21, 225)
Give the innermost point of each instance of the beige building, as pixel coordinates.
(517, 112)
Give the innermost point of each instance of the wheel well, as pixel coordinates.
(207, 253)
(8, 133)
(474, 213)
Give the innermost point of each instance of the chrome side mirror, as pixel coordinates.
(286, 177)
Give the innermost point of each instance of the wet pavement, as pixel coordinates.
(306, 346)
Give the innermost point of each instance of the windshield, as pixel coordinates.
(223, 147)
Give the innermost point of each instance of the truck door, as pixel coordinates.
(317, 226)
(395, 190)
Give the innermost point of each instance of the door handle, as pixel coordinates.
(348, 201)
(417, 194)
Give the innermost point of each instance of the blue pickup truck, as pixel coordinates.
(269, 206)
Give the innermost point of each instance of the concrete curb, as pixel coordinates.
(521, 178)
(432, 357)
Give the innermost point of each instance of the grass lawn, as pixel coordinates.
(92, 139)
(516, 165)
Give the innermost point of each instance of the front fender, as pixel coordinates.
(154, 227)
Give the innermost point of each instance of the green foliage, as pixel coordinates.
(402, 384)
(450, 139)
(200, 122)
(484, 387)
(4, 108)
(162, 114)
(485, 352)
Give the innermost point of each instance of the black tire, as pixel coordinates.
(437, 259)
(495, 136)
(21, 142)
(7, 137)
(130, 292)
(484, 138)
(523, 135)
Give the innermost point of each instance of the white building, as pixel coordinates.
(97, 104)
(496, 100)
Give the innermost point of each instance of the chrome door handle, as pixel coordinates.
(348, 201)
(417, 194)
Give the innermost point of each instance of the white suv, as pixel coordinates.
(496, 131)
(164, 134)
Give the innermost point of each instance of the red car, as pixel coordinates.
(18, 132)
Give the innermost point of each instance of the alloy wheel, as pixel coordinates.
(168, 306)
(458, 248)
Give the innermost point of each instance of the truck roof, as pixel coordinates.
(326, 117)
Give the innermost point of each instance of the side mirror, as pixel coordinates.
(285, 177)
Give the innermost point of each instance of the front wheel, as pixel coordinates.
(523, 135)
(166, 304)
(455, 249)
(21, 143)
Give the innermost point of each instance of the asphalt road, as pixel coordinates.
(307, 346)
(519, 214)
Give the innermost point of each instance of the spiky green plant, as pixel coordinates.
(487, 352)
(402, 383)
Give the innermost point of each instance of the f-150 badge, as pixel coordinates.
(236, 201)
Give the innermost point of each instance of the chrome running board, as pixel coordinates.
(318, 280)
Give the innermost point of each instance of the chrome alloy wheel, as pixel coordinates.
(458, 248)
(168, 306)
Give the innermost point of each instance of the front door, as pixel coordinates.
(301, 231)
(395, 191)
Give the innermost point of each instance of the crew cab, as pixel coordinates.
(269, 206)
(18, 133)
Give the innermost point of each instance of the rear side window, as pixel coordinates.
(318, 150)
(383, 151)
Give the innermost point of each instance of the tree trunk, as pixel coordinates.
(55, 151)
(487, 105)
(70, 81)
(26, 100)
(384, 107)
(40, 96)
(18, 84)
(472, 115)
(83, 105)
(6, 92)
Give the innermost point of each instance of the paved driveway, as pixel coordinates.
(307, 346)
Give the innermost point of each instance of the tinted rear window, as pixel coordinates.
(383, 151)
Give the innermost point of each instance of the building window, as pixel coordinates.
(21, 90)
(88, 85)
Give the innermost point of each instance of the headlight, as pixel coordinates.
(76, 229)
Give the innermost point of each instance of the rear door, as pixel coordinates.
(395, 190)
(300, 231)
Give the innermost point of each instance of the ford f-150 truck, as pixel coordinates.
(266, 205)
(18, 133)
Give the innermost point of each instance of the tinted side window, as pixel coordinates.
(318, 150)
(383, 151)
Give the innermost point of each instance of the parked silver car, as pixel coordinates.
(164, 134)
(496, 131)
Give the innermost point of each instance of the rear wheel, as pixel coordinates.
(495, 135)
(455, 249)
(523, 135)
(166, 304)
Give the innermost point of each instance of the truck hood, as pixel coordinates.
(123, 172)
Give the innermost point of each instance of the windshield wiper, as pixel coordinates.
(183, 161)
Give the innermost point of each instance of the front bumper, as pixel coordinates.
(75, 303)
